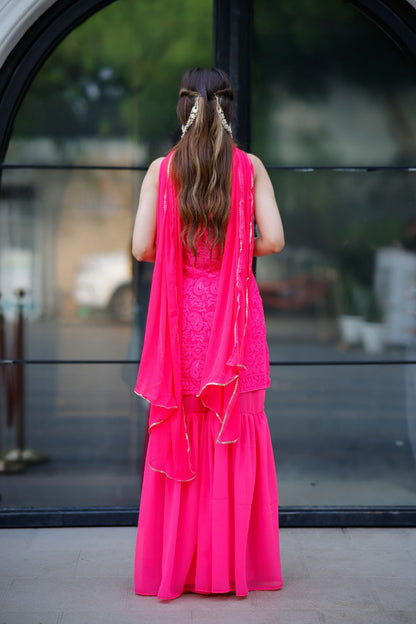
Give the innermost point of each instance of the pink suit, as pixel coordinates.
(208, 519)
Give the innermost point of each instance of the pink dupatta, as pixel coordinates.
(159, 377)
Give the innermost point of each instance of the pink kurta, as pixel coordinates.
(208, 518)
(200, 289)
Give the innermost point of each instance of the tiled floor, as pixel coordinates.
(85, 576)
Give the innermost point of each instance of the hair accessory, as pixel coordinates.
(194, 112)
(192, 115)
(222, 116)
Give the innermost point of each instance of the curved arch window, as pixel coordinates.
(332, 118)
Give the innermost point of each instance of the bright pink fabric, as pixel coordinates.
(208, 519)
(200, 289)
(219, 532)
(159, 378)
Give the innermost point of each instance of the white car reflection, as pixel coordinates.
(104, 281)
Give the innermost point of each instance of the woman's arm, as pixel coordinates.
(144, 232)
(271, 236)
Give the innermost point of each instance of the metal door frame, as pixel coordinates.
(233, 37)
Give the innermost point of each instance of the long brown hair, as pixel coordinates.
(202, 160)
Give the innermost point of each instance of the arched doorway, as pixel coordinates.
(272, 112)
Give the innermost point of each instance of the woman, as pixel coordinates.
(208, 520)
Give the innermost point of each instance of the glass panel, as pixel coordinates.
(116, 78)
(106, 96)
(329, 88)
(88, 429)
(347, 273)
(65, 239)
(344, 435)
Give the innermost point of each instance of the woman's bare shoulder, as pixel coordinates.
(257, 163)
(155, 164)
(152, 174)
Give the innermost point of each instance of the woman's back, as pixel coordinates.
(208, 519)
(201, 277)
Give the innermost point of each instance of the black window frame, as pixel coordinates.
(233, 48)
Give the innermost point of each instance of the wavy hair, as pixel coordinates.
(202, 160)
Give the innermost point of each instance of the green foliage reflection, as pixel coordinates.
(118, 73)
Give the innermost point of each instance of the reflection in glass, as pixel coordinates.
(66, 239)
(344, 435)
(345, 283)
(91, 427)
(114, 79)
(106, 96)
(329, 88)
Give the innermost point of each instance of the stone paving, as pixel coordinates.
(85, 576)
